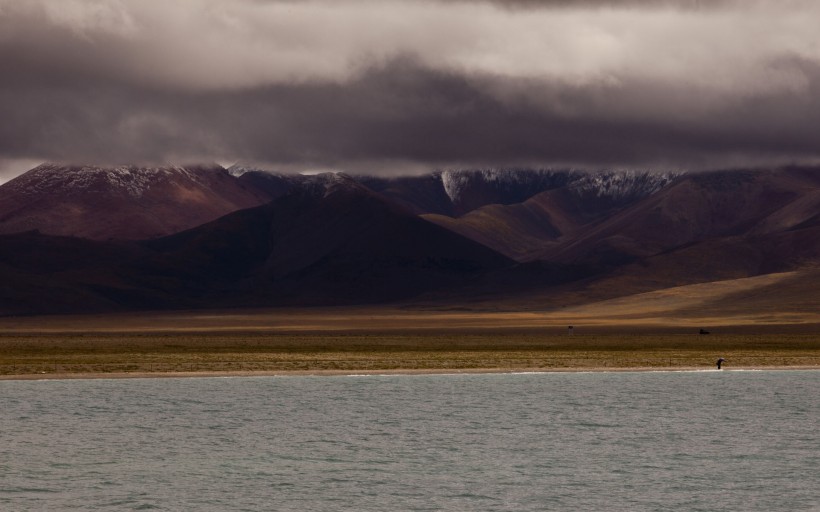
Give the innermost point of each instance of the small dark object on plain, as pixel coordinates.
(720, 362)
(704, 331)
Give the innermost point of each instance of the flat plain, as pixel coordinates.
(655, 330)
(762, 322)
(114, 353)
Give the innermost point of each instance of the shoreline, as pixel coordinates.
(179, 355)
(388, 372)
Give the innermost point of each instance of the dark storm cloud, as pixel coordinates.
(404, 112)
(384, 85)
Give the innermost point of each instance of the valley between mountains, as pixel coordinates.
(738, 247)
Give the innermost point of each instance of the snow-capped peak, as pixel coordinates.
(238, 170)
(129, 180)
(622, 185)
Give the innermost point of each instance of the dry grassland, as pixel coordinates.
(766, 321)
(38, 354)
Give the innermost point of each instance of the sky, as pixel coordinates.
(390, 86)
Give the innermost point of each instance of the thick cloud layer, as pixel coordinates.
(391, 85)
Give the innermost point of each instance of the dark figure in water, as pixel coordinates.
(720, 362)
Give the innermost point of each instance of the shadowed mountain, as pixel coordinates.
(329, 239)
(456, 192)
(696, 209)
(705, 227)
(419, 194)
(524, 231)
(122, 202)
(332, 242)
(44, 274)
(699, 228)
(271, 185)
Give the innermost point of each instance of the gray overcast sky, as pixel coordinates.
(392, 86)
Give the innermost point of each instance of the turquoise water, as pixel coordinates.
(745, 441)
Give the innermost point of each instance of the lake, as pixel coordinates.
(682, 441)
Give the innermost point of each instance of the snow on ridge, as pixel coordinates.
(615, 184)
(620, 185)
(127, 179)
(134, 181)
(328, 183)
(453, 182)
(237, 170)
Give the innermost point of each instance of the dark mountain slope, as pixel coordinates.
(524, 231)
(334, 242)
(272, 185)
(456, 192)
(697, 208)
(715, 260)
(418, 194)
(41, 273)
(329, 239)
(471, 189)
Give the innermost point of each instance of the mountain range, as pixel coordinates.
(93, 239)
